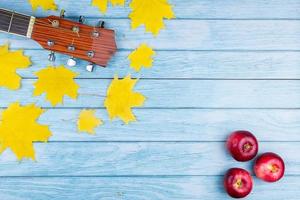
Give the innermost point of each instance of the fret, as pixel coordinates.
(15, 23)
(10, 21)
(4, 20)
(19, 25)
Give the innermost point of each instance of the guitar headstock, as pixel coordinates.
(94, 44)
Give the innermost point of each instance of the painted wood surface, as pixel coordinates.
(245, 9)
(193, 34)
(170, 125)
(188, 93)
(234, 65)
(159, 188)
(137, 158)
(180, 64)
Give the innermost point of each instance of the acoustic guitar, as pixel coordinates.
(94, 44)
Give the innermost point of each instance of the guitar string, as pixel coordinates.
(17, 30)
(16, 15)
(46, 25)
(36, 22)
(22, 17)
(19, 20)
(9, 13)
(19, 27)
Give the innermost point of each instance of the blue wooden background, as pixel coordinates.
(220, 66)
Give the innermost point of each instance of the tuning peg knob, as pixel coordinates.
(101, 24)
(95, 34)
(50, 43)
(62, 13)
(90, 54)
(81, 19)
(52, 57)
(90, 67)
(71, 62)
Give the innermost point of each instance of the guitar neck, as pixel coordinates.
(16, 23)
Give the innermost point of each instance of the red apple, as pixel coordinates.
(269, 167)
(238, 182)
(242, 145)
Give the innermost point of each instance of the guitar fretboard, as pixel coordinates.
(12, 22)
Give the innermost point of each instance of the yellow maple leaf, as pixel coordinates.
(87, 121)
(56, 82)
(10, 61)
(19, 129)
(45, 4)
(141, 57)
(151, 14)
(120, 99)
(102, 4)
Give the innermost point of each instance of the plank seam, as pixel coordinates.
(193, 18)
(158, 141)
(188, 79)
(169, 108)
(131, 176)
(191, 50)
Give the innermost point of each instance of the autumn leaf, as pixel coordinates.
(45, 4)
(102, 4)
(120, 99)
(141, 57)
(10, 61)
(150, 13)
(87, 121)
(19, 129)
(56, 82)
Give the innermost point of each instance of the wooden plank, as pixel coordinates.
(228, 9)
(179, 125)
(137, 158)
(200, 35)
(179, 93)
(139, 188)
(188, 64)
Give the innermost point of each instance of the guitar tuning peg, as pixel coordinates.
(71, 62)
(81, 19)
(90, 67)
(62, 13)
(101, 24)
(52, 57)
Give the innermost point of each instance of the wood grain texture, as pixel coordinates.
(137, 158)
(139, 188)
(179, 125)
(186, 65)
(63, 36)
(229, 9)
(179, 93)
(199, 35)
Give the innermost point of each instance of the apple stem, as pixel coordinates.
(238, 183)
(273, 168)
(247, 147)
